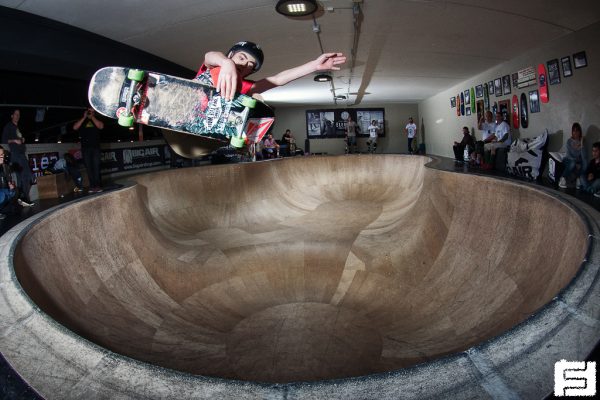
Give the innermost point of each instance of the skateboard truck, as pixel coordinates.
(126, 118)
(248, 102)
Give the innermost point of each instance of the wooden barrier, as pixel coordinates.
(57, 185)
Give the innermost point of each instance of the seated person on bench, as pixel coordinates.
(575, 159)
(500, 138)
(466, 142)
(270, 147)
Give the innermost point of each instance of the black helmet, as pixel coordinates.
(250, 48)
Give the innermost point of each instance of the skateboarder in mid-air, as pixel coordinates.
(228, 72)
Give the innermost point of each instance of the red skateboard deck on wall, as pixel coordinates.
(543, 83)
(515, 111)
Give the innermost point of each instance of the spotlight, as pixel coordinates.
(296, 8)
(323, 78)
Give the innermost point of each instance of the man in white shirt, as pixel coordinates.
(500, 138)
(411, 132)
(373, 132)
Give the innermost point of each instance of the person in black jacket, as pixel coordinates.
(459, 147)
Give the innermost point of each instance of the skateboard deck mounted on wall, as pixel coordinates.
(462, 103)
(524, 111)
(472, 96)
(515, 111)
(486, 97)
(543, 83)
(195, 118)
(458, 103)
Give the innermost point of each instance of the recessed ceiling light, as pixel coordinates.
(322, 78)
(296, 8)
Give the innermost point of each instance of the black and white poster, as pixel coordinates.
(331, 123)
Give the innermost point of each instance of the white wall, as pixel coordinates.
(396, 118)
(575, 99)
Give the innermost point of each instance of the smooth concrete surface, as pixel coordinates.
(268, 280)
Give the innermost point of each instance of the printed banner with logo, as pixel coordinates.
(119, 160)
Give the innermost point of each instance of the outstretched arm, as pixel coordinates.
(325, 62)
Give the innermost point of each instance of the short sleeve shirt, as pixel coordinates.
(411, 129)
(210, 77)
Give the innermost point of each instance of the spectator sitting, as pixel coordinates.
(488, 127)
(575, 158)
(69, 166)
(270, 147)
(591, 183)
(500, 138)
(459, 147)
(7, 186)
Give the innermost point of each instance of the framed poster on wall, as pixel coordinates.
(331, 123)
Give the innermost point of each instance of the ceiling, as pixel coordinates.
(406, 50)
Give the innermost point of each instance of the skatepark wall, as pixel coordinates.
(396, 116)
(575, 99)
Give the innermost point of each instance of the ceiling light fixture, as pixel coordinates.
(296, 8)
(323, 78)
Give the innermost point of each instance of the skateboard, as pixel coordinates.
(462, 103)
(515, 111)
(486, 97)
(195, 119)
(472, 96)
(543, 83)
(458, 104)
(524, 111)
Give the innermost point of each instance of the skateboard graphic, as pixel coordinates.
(462, 103)
(486, 97)
(515, 111)
(458, 105)
(524, 111)
(543, 83)
(195, 118)
(472, 96)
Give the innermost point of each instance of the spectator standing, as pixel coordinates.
(411, 132)
(373, 132)
(90, 146)
(7, 186)
(18, 150)
(351, 135)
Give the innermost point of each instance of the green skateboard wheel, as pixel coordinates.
(247, 101)
(135, 75)
(126, 120)
(237, 142)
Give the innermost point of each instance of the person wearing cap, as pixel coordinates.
(228, 72)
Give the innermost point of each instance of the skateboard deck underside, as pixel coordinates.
(175, 104)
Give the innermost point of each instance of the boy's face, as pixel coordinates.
(244, 63)
(596, 153)
(1, 157)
